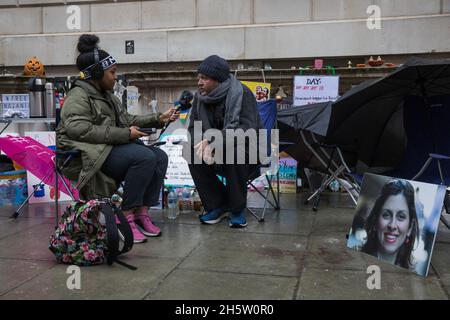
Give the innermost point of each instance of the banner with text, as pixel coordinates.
(315, 89)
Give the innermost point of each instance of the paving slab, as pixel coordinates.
(206, 285)
(244, 252)
(176, 241)
(97, 282)
(335, 220)
(10, 226)
(32, 243)
(440, 260)
(345, 284)
(16, 272)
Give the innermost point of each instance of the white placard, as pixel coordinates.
(178, 173)
(315, 89)
(44, 193)
(15, 105)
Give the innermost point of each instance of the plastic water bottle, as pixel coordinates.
(186, 201)
(334, 186)
(179, 194)
(172, 205)
(196, 201)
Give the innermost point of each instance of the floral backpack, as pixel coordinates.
(87, 234)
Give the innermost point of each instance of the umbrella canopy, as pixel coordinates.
(369, 117)
(302, 129)
(36, 158)
(313, 117)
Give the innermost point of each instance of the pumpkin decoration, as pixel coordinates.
(34, 67)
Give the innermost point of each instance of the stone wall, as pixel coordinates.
(189, 30)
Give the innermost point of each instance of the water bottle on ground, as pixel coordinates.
(196, 201)
(334, 186)
(185, 203)
(172, 211)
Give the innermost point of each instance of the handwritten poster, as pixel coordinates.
(315, 89)
(178, 173)
(288, 175)
(15, 105)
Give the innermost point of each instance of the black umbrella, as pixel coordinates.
(313, 117)
(302, 133)
(369, 117)
(311, 120)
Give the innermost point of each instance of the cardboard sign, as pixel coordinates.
(288, 175)
(178, 173)
(315, 89)
(15, 105)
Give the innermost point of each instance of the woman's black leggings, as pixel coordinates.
(143, 169)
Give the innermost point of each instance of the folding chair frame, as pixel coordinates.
(438, 158)
(7, 122)
(58, 175)
(269, 178)
(276, 197)
(69, 155)
(342, 171)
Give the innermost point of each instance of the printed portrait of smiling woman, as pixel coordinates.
(392, 226)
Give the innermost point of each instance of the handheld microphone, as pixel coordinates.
(184, 103)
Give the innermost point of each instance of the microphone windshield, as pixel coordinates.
(185, 100)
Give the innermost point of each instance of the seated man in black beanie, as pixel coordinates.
(222, 103)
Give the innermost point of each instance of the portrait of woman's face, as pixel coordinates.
(396, 221)
(393, 224)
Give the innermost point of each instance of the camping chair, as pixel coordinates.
(37, 159)
(438, 158)
(427, 154)
(305, 128)
(6, 123)
(268, 114)
(329, 159)
(63, 159)
(66, 157)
